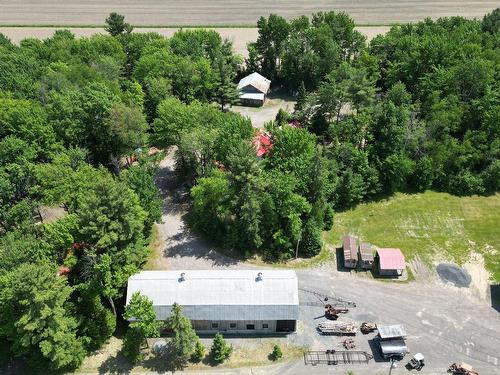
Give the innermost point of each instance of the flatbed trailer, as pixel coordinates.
(337, 328)
(335, 357)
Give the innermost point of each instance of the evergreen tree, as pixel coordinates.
(199, 352)
(35, 318)
(116, 25)
(221, 350)
(184, 338)
(225, 91)
(311, 243)
(132, 345)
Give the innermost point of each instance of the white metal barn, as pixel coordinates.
(253, 89)
(230, 301)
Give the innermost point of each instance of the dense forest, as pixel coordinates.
(415, 109)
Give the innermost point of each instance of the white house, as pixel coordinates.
(253, 89)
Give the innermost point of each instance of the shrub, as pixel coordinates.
(276, 353)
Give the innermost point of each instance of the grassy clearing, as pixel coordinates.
(256, 353)
(431, 225)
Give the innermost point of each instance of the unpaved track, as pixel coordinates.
(224, 12)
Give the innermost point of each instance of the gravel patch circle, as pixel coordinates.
(453, 274)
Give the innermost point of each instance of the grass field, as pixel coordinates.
(255, 352)
(234, 12)
(434, 226)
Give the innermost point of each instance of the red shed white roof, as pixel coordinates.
(391, 259)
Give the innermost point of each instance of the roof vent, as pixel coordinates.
(183, 277)
(259, 277)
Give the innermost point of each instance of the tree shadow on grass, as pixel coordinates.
(165, 361)
(116, 365)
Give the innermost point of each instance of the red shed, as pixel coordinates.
(391, 262)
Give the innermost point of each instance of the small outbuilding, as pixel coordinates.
(229, 301)
(350, 252)
(366, 255)
(392, 341)
(391, 262)
(253, 89)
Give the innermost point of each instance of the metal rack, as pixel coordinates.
(333, 357)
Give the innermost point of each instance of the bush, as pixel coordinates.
(220, 349)
(276, 353)
(199, 352)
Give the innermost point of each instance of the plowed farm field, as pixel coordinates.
(228, 12)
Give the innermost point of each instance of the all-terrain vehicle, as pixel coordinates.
(367, 327)
(417, 362)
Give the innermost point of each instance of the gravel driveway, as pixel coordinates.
(182, 249)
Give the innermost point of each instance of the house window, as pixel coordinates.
(265, 326)
(215, 325)
(232, 325)
(250, 326)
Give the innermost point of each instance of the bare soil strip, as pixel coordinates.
(223, 12)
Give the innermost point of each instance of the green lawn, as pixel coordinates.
(429, 224)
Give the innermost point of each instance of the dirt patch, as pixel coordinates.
(450, 273)
(479, 275)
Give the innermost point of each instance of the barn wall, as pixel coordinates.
(225, 326)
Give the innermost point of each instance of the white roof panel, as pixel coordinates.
(220, 295)
(251, 95)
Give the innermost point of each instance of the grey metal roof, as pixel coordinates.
(393, 331)
(256, 80)
(365, 249)
(221, 295)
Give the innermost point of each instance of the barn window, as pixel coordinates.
(250, 326)
(215, 325)
(265, 326)
(232, 325)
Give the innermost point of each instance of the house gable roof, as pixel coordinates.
(255, 80)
